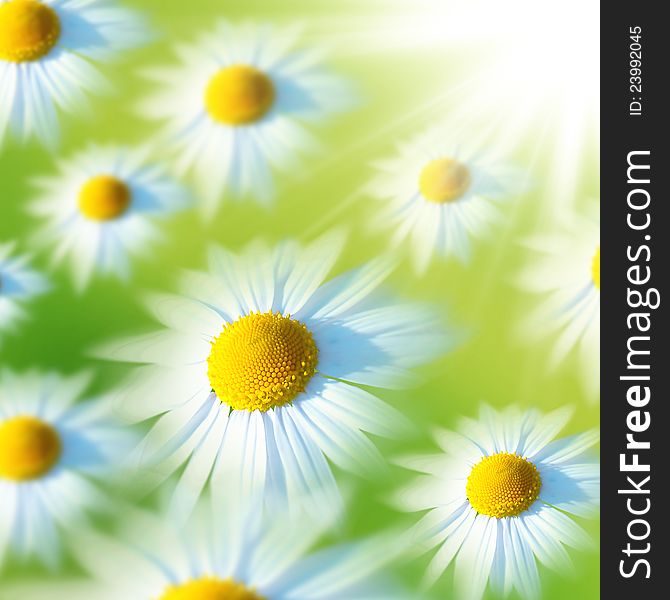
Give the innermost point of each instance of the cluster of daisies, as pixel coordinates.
(263, 370)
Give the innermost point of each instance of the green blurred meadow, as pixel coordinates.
(479, 300)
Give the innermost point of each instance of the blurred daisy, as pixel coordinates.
(48, 450)
(46, 52)
(236, 107)
(18, 285)
(566, 271)
(499, 497)
(100, 209)
(255, 376)
(439, 195)
(243, 558)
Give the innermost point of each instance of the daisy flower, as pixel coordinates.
(47, 50)
(49, 450)
(499, 497)
(255, 376)
(18, 285)
(223, 554)
(236, 107)
(100, 209)
(565, 271)
(439, 195)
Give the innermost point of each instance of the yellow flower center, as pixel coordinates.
(210, 588)
(595, 268)
(261, 361)
(444, 180)
(29, 448)
(103, 198)
(503, 485)
(28, 30)
(239, 94)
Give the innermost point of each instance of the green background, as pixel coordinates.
(492, 365)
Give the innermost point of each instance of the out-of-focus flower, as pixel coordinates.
(566, 272)
(236, 107)
(18, 285)
(49, 451)
(439, 194)
(47, 51)
(101, 208)
(225, 553)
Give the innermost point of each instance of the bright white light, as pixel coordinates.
(526, 69)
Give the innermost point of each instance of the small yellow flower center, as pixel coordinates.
(210, 588)
(503, 485)
(444, 180)
(239, 95)
(103, 198)
(261, 361)
(28, 30)
(595, 268)
(29, 448)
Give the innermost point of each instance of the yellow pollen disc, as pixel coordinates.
(103, 198)
(28, 30)
(503, 485)
(595, 268)
(444, 180)
(261, 361)
(239, 95)
(29, 448)
(210, 588)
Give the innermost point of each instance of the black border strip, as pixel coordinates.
(635, 245)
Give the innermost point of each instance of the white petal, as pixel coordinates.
(568, 448)
(475, 558)
(522, 562)
(455, 533)
(429, 492)
(561, 527)
(573, 488)
(280, 548)
(177, 428)
(438, 524)
(200, 466)
(346, 446)
(333, 573)
(545, 430)
(310, 270)
(308, 474)
(379, 346)
(185, 315)
(248, 277)
(241, 465)
(165, 348)
(152, 390)
(548, 550)
(344, 292)
(360, 409)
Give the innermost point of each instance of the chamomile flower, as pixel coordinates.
(236, 107)
(49, 450)
(102, 207)
(565, 274)
(47, 54)
(18, 285)
(223, 554)
(255, 376)
(499, 497)
(439, 195)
